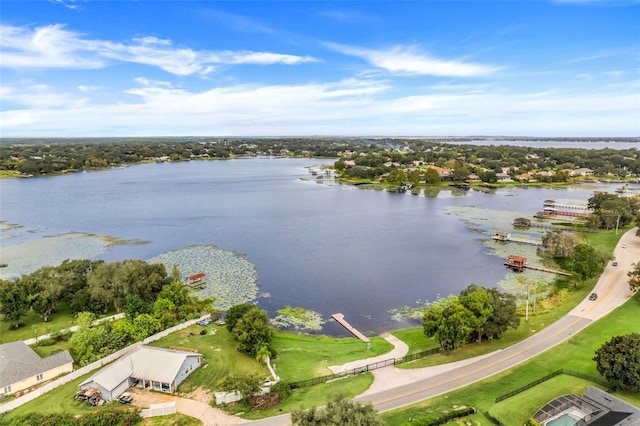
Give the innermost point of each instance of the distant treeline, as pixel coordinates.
(36, 157)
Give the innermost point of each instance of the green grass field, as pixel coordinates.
(523, 406)
(220, 357)
(304, 356)
(574, 354)
(33, 326)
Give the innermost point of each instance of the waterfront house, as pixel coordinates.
(21, 367)
(146, 367)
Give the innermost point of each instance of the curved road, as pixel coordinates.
(394, 388)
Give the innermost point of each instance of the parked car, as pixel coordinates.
(204, 322)
(593, 296)
(125, 398)
(615, 263)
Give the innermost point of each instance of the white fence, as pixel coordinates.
(90, 367)
(163, 409)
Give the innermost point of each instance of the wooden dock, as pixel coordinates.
(503, 236)
(543, 269)
(340, 319)
(519, 263)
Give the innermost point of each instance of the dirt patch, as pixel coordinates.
(199, 394)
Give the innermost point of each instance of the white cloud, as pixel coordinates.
(53, 46)
(348, 107)
(617, 74)
(45, 47)
(409, 60)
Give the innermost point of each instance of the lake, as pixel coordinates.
(328, 248)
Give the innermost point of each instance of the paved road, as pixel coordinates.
(394, 388)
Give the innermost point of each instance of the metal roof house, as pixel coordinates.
(147, 367)
(21, 367)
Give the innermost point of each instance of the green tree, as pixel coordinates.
(449, 321)
(431, 176)
(585, 261)
(262, 354)
(234, 313)
(560, 244)
(84, 319)
(397, 176)
(176, 276)
(145, 325)
(460, 173)
(176, 292)
(504, 314)
(618, 360)
(339, 411)
(634, 277)
(14, 302)
(479, 302)
(165, 311)
(134, 306)
(252, 331)
(489, 176)
(414, 177)
(245, 385)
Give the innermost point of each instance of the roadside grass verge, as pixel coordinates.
(574, 354)
(305, 356)
(417, 341)
(517, 409)
(172, 420)
(308, 397)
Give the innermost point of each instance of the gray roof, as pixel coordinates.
(144, 362)
(19, 362)
(622, 413)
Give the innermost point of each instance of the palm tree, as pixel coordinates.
(262, 354)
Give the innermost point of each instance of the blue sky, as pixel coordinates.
(302, 68)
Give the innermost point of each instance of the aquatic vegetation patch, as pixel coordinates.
(298, 318)
(28, 256)
(230, 277)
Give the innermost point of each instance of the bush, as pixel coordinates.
(441, 418)
(283, 389)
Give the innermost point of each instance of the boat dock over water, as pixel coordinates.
(340, 319)
(519, 263)
(506, 237)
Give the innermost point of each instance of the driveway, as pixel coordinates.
(208, 415)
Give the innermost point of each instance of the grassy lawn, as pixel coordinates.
(308, 397)
(33, 326)
(220, 357)
(304, 356)
(574, 354)
(59, 400)
(172, 420)
(519, 408)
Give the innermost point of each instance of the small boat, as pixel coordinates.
(3, 265)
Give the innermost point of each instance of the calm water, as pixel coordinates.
(327, 248)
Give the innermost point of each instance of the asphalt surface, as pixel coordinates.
(394, 388)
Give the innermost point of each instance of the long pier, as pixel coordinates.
(501, 236)
(340, 319)
(543, 269)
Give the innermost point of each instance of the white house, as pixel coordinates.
(21, 367)
(147, 367)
